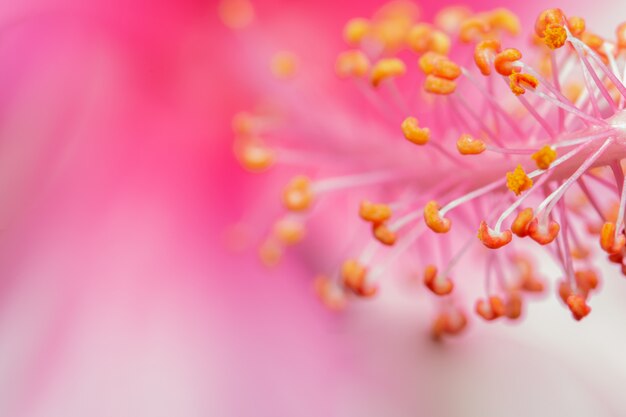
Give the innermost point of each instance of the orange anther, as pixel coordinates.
(576, 25)
(621, 36)
(578, 306)
(447, 69)
(254, 155)
(437, 284)
(504, 19)
(438, 85)
(586, 281)
(473, 29)
(353, 275)
(467, 145)
(548, 17)
(607, 239)
(457, 321)
(419, 36)
(565, 290)
(298, 195)
(491, 239)
(375, 213)
(579, 252)
(544, 157)
(593, 41)
(485, 53)
(413, 133)
(554, 36)
(532, 284)
(513, 306)
(383, 234)
(521, 222)
(543, 234)
(352, 64)
(387, 68)
(329, 293)
(289, 231)
(356, 30)
(521, 81)
(439, 42)
(491, 309)
(503, 62)
(517, 181)
(433, 220)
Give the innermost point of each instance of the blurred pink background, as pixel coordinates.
(118, 296)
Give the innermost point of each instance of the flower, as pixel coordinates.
(545, 121)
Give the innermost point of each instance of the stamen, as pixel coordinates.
(491, 309)
(438, 85)
(485, 53)
(493, 239)
(517, 181)
(578, 306)
(544, 157)
(505, 61)
(298, 195)
(354, 278)
(439, 285)
(375, 213)
(413, 133)
(467, 145)
(356, 30)
(352, 64)
(383, 234)
(386, 68)
(434, 219)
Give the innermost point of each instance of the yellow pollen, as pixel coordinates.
(375, 213)
(467, 145)
(352, 64)
(355, 30)
(521, 80)
(517, 181)
(284, 65)
(414, 133)
(554, 36)
(544, 157)
(387, 68)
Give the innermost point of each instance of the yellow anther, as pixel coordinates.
(439, 42)
(439, 65)
(473, 29)
(418, 37)
(298, 195)
(576, 25)
(438, 85)
(413, 133)
(467, 145)
(450, 18)
(254, 155)
(236, 14)
(520, 225)
(546, 18)
(354, 276)
(289, 231)
(505, 59)
(554, 36)
(352, 64)
(544, 157)
(386, 68)
(383, 234)
(520, 81)
(517, 181)
(270, 253)
(485, 53)
(608, 241)
(427, 62)
(392, 22)
(504, 19)
(356, 30)
(375, 213)
(434, 220)
(284, 65)
(620, 32)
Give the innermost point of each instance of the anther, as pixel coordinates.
(620, 32)
(565, 290)
(578, 306)
(355, 31)
(387, 68)
(504, 19)
(554, 36)
(354, 276)
(544, 157)
(491, 238)
(608, 242)
(433, 219)
(517, 181)
(375, 213)
(521, 222)
(413, 133)
(513, 306)
(490, 309)
(543, 234)
(503, 62)
(352, 64)
(520, 81)
(473, 29)
(298, 195)
(485, 53)
(254, 155)
(289, 231)
(330, 294)
(576, 25)
(450, 18)
(383, 234)
(546, 18)
(586, 281)
(437, 284)
(438, 85)
(467, 145)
